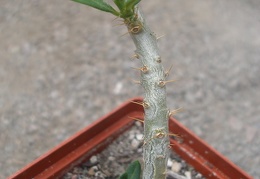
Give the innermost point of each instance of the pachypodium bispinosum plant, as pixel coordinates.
(153, 80)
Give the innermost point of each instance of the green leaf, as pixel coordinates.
(133, 171)
(120, 4)
(131, 3)
(99, 4)
(124, 176)
(126, 7)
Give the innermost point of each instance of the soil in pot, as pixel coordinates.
(112, 162)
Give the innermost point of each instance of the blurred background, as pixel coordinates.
(63, 65)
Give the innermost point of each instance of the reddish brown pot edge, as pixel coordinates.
(94, 138)
(201, 156)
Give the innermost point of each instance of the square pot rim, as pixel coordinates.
(95, 137)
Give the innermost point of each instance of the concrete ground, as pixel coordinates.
(63, 65)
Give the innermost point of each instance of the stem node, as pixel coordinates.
(158, 60)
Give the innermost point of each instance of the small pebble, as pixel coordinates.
(139, 136)
(135, 143)
(124, 160)
(131, 136)
(74, 177)
(93, 159)
(169, 163)
(111, 158)
(107, 173)
(92, 170)
(188, 174)
(183, 163)
(69, 175)
(176, 166)
(99, 174)
(198, 175)
(137, 123)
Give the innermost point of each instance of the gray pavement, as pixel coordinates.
(63, 65)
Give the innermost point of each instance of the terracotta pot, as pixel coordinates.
(94, 138)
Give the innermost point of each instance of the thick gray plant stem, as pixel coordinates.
(156, 138)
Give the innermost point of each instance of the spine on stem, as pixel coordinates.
(156, 138)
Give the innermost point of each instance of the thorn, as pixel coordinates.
(115, 18)
(168, 71)
(169, 81)
(140, 103)
(135, 56)
(135, 81)
(118, 20)
(144, 104)
(118, 24)
(140, 120)
(144, 69)
(163, 83)
(170, 146)
(175, 111)
(174, 135)
(136, 68)
(160, 157)
(124, 34)
(157, 38)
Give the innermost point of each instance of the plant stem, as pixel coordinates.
(156, 138)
